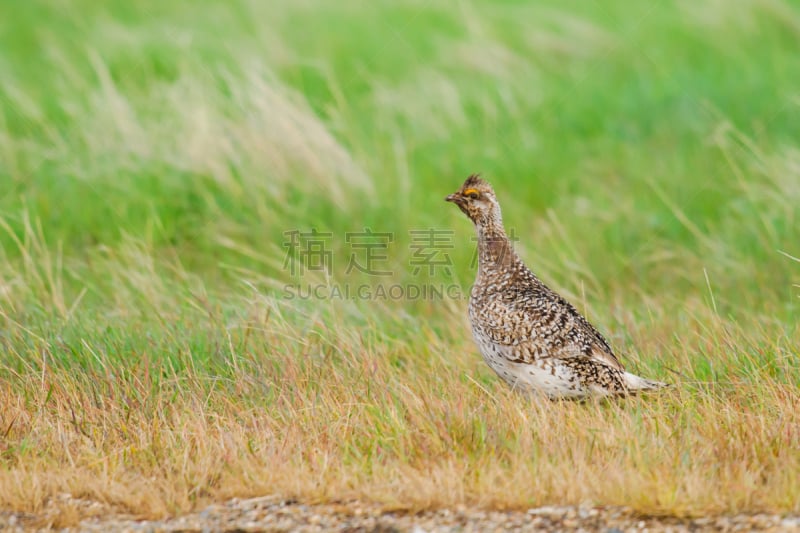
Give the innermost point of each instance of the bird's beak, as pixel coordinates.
(456, 198)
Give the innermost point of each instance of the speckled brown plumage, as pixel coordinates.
(529, 335)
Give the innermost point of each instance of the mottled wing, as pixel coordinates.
(533, 322)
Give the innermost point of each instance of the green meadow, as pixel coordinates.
(205, 208)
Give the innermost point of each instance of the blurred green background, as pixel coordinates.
(638, 149)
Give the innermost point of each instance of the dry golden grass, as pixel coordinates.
(318, 409)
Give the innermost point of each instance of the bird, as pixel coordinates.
(533, 338)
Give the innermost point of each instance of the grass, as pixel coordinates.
(155, 155)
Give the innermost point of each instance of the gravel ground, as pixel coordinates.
(277, 515)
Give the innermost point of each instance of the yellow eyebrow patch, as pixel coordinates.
(467, 192)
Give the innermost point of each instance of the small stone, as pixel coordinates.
(791, 523)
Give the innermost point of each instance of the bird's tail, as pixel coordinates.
(635, 383)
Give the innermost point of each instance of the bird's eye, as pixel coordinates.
(471, 193)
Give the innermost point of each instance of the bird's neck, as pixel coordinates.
(495, 250)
